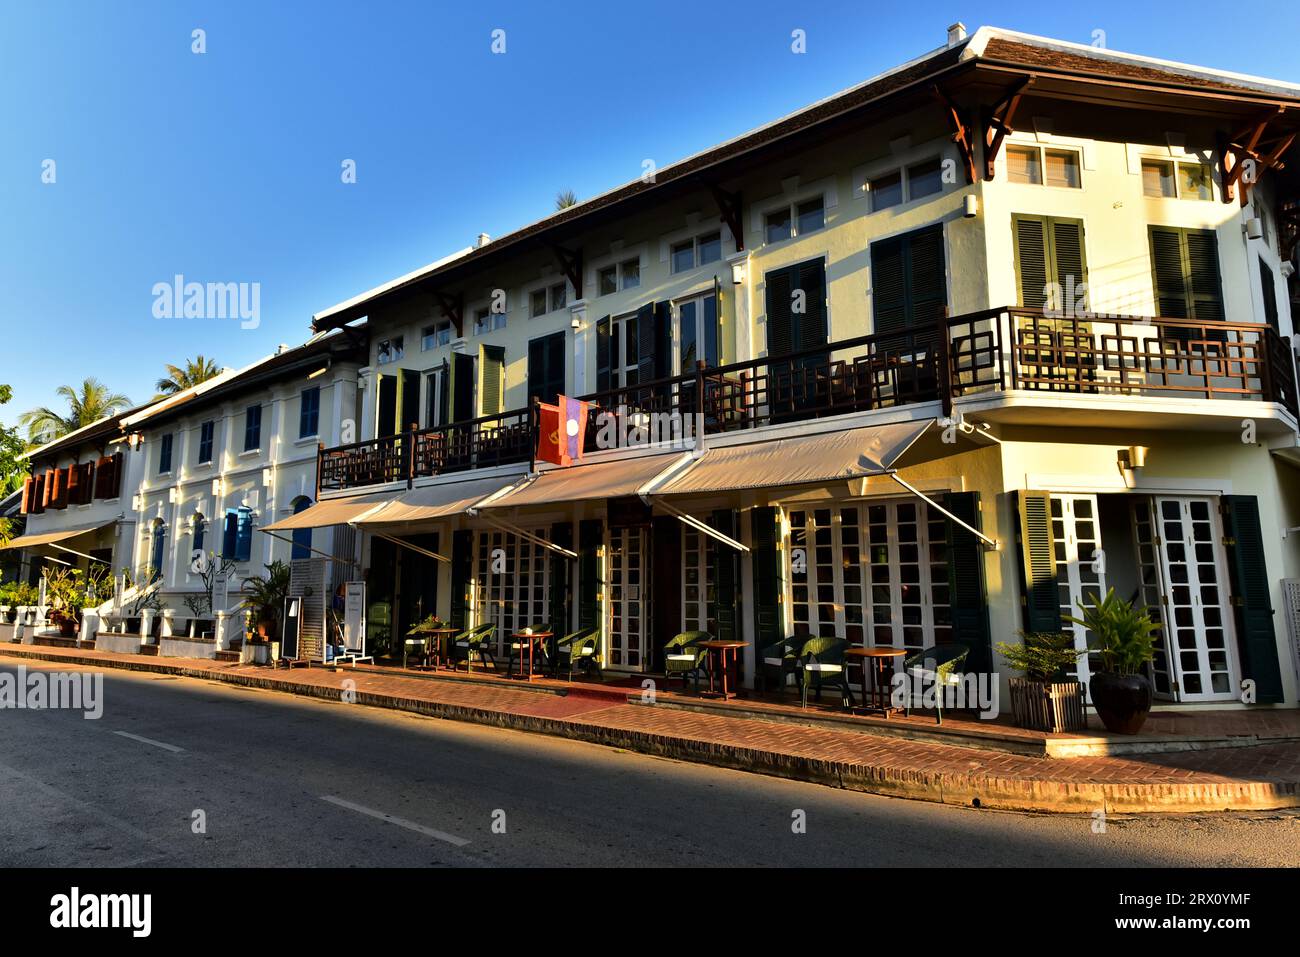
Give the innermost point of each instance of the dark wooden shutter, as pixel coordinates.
(462, 387)
(1269, 289)
(590, 537)
(927, 276)
(967, 595)
(74, 484)
(1031, 259)
(444, 393)
(1252, 607)
(767, 572)
(1039, 596)
(1067, 256)
(725, 576)
(888, 286)
(1203, 273)
(1167, 273)
(244, 536)
(409, 400)
(462, 566)
(560, 599)
(492, 360)
(780, 318)
(646, 343)
(811, 324)
(663, 342)
(230, 535)
(1185, 273)
(546, 368)
(27, 495)
(604, 358)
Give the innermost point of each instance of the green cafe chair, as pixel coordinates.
(940, 665)
(476, 642)
(821, 662)
(579, 650)
(683, 657)
(779, 661)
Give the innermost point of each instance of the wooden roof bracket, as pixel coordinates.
(570, 261)
(962, 132)
(999, 121)
(730, 207)
(1244, 156)
(453, 307)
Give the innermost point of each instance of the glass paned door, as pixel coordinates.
(628, 632)
(1197, 618)
(513, 585)
(1146, 541)
(1080, 571)
(699, 602)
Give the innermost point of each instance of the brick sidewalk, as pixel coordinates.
(1261, 777)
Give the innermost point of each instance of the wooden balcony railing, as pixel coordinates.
(991, 351)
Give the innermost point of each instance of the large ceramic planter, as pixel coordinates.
(1053, 706)
(1121, 701)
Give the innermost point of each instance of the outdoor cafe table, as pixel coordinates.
(530, 638)
(441, 635)
(881, 663)
(720, 649)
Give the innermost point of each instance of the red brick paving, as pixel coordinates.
(1261, 776)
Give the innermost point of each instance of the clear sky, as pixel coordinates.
(225, 166)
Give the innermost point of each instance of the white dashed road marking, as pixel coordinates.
(399, 821)
(157, 744)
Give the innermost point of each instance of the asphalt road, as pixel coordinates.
(282, 780)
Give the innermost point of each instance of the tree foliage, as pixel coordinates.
(88, 403)
(179, 378)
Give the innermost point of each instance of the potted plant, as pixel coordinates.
(266, 598)
(1124, 641)
(1044, 699)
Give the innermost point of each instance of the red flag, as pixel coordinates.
(561, 430)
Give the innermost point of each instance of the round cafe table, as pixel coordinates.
(532, 639)
(879, 662)
(442, 636)
(720, 650)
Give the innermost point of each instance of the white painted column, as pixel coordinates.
(578, 345)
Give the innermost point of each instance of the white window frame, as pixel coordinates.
(792, 208)
(435, 331)
(618, 366)
(1043, 149)
(396, 351)
(695, 250)
(1175, 163)
(697, 298)
(620, 275)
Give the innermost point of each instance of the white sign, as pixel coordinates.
(354, 617)
(220, 591)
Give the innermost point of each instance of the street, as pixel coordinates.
(192, 773)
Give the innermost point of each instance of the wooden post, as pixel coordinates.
(945, 361)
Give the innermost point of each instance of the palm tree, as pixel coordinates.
(92, 403)
(179, 378)
(565, 199)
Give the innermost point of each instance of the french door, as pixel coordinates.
(629, 628)
(1200, 647)
(1080, 566)
(513, 585)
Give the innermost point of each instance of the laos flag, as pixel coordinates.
(562, 428)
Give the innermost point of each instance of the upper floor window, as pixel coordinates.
(206, 431)
(1039, 166)
(165, 455)
(390, 350)
(1170, 180)
(309, 413)
(548, 299)
(698, 251)
(624, 275)
(485, 321)
(437, 334)
(237, 535)
(794, 220)
(253, 428)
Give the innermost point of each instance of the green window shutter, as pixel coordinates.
(1167, 273)
(1270, 294)
(561, 590)
(646, 342)
(462, 559)
(1252, 607)
(1032, 272)
(444, 394)
(604, 358)
(725, 573)
(546, 368)
(1039, 595)
(967, 594)
(462, 387)
(927, 275)
(663, 333)
(591, 533)
(767, 570)
(810, 277)
(1067, 254)
(1203, 274)
(888, 286)
(1185, 273)
(492, 362)
(780, 317)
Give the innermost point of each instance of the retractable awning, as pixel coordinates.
(597, 480)
(330, 511)
(52, 538)
(432, 502)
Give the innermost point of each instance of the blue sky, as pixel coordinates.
(225, 166)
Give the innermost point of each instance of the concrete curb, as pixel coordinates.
(943, 787)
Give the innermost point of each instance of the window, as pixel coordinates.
(886, 191)
(625, 275)
(1038, 166)
(157, 552)
(795, 220)
(1270, 294)
(697, 332)
(485, 321)
(1166, 179)
(237, 537)
(200, 532)
(301, 536)
(546, 361)
(908, 280)
(390, 350)
(1185, 274)
(309, 413)
(205, 442)
(549, 299)
(1050, 262)
(625, 352)
(925, 179)
(165, 455)
(699, 251)
(253, 428)
(437, 334)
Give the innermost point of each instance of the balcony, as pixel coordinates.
(980, 356)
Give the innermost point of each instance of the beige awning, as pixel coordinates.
(800, 460)
(584, 482)
(330, 511)
(49, 538)
(435, 501)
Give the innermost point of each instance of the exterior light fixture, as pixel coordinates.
(216, 488)
(971, 206)
(1130, 460)
(737, 273)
